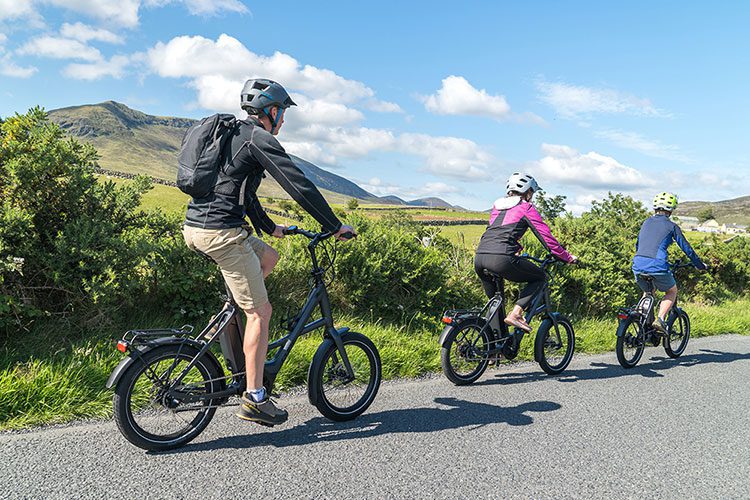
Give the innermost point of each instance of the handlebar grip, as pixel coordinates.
(348, 235)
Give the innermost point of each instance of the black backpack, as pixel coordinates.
(202, 154)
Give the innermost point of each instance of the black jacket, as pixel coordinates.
(251, 151)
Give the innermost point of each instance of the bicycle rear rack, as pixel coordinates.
(144, 337)
(460, 314)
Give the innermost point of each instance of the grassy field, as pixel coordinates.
(68, 383)
(468, 236)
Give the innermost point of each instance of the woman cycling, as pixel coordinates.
(499, 249)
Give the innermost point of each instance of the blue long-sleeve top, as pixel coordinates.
(656, 235)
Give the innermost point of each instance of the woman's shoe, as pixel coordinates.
(519, 323)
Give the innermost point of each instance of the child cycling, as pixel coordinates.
(499, 248)
(656, 235)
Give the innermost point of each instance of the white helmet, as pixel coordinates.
(520, 183)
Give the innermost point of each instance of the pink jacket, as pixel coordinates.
(510, 219)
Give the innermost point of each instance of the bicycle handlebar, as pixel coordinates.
(680, 264)
(316, 236)
(548, 259)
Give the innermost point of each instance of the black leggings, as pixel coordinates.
(511, 268)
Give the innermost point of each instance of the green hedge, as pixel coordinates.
(83, 251)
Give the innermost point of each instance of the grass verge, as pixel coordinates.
(56, 378)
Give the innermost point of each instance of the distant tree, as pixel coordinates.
(297, 209)
(286, 205)
(705, 213)
(270, 199)
(550, 207)
(352, 204)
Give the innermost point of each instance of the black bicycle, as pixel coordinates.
(170, 384)
(472, 338)
(635, 330)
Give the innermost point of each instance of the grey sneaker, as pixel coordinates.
(660, 326)
(264, 412)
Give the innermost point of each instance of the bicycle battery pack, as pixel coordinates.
(231, 346)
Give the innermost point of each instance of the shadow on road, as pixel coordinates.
(413, 420)
(603, 370)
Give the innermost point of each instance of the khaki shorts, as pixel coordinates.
(238, 255)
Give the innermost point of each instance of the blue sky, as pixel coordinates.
(424, 98)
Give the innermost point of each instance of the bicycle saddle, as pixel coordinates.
(490, 273)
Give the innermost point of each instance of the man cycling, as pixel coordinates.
(498, 250)
(656, 235)
(215, 226)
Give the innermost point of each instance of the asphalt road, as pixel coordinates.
(666, 429)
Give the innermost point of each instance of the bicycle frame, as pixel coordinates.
(227, 327)
(647, 303)
(494, 309)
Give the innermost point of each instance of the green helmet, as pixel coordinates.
(665, 201)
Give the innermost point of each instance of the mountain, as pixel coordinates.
(392, 200)
(735, 211)
(430, 202)
(327, 180)
(131, 141)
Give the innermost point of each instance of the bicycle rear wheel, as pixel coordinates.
(679, 333)
(464, 353)
(630, 342)
(332, 391)
(151, 416)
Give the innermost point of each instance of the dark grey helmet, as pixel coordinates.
(259, 93)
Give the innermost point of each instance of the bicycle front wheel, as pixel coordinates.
(554, 345)
(679, 334)
(630, 342)
(338, 395)
(151, 411)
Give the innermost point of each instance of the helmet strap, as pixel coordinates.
(274, 121)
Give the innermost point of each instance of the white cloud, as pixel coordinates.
(637, 142)
(448, 156)
(117, 12)
(324, 112)
(352, 142)
(120, 13)
(214, 7)
(458, 97)
(204, 7)
(452, 157)
(84, 33)
(571, 101)
(325, 126)
(114, 68)
(8, 67)
(383, 106)
(60, 48)
(565, 165)
(11, 69)
(16, 9)
(379, 188)
(196, 57)
(310, 151)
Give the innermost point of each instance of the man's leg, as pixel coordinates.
(268, 260)
(256, 406)
(256, 344)
(670, 297)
